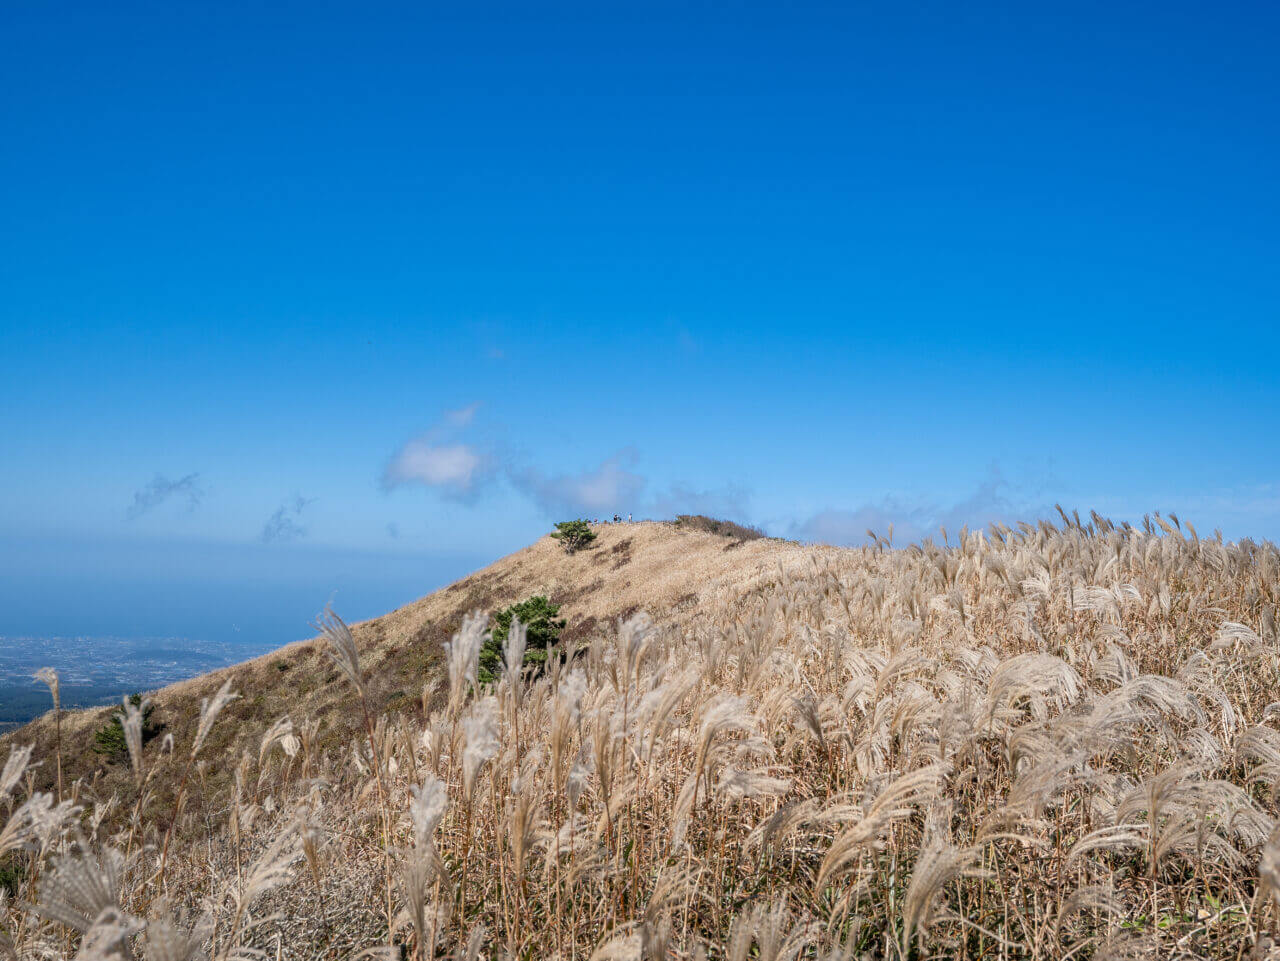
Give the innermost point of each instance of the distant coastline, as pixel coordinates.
(96, 671)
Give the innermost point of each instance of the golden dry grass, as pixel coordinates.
(1055, 741)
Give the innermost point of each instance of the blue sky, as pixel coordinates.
(342, 301)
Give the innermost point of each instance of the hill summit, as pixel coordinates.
(1049, 740)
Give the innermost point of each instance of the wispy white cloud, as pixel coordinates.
(161, 489)
(615, 486)
(609, 487)
(453, 467)
(439, 460)
(462, 417)
(446, 460)
(994, 499)
(283, 524)
(731, 502)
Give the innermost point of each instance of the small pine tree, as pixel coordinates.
(542, 627)
(109, 740)
(575, 535)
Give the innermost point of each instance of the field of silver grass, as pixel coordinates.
(1050, 741)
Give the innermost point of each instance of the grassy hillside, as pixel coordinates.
(1050, 741)
(660, 568)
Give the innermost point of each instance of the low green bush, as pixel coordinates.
(575, 535)
(543, 628)
(109, 740)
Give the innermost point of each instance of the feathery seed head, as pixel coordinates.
(462, 655)
(427, 807)
(14, 767)
(480, 730)
(82, 886)
(340, 645)
(210, 708)
(49, 677)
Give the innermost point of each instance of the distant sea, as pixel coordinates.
(95, 671)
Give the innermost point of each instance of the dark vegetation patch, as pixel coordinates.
(542, 631)
(621, 553)
(738, 533)
(579, 632)
(109, 740)
(12, 873)
(579, 593)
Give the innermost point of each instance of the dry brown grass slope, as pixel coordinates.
(1045, 742)
(667, 570)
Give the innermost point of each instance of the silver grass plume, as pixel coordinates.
(659, 707)
(171, 939)
(808, 713)
(1040, 678)
(273, 868)
(341, 648)
(426, 808)
(634, 637)
(49, 677)
(1128, 946)
(14, 767)
(81, 887)
(281, 730)
(569, 694)
(937, 865)
(210, 708)
(774, 830)
(566, 709)
(37, 819)
(480, 730)
(726, 714)
(1233, 635)
(1258, 743)
(417, 874)
(736, 783)
(462, 655)
(898, 800)
(131, 724)
(1091, 897)
(109, 938)
(513, 649)
(644, 940)
(16, 830)
(1115, 837)
(50, 821)
(766, 925)
(422, 865)
(621, 943)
